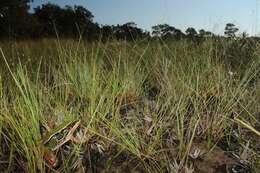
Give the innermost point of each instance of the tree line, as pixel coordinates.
(50, 20)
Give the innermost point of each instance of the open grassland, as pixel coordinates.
(68, 106)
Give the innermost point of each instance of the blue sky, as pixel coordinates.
(209, 14)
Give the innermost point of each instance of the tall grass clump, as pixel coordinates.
(148, 106)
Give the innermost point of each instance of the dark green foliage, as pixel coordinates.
(50, 20)
(203, 33)
(166, 31)
(67, 21)
(231, 30)
(129, 31)
(191, 32)
(14, 18)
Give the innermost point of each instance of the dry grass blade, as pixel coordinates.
(246, 125)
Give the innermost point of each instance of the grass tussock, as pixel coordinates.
(69, 106)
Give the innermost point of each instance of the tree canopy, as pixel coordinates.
(15, 19)
(50, 20)
(231, 30)
(166, 31)
(68, 21)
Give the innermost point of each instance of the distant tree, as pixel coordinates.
(191, 32)
(106, 32)
(244, 34)
(68, 21)
(128, 31)
(157, 30)
(203, 33)
(15, 19)
(209, 34)
(231, 30)
(83, 20)
(50, 19)
(166, 31)
(162, 29)
(178, 34)
(48, 15)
